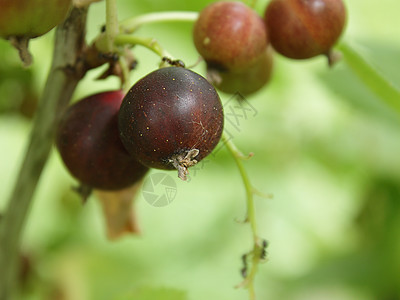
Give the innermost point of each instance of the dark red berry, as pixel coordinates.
(245, 82)
(88, 141)
(230, 35)
(304, 28)
(171, 118)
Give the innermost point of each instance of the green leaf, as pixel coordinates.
(371, 77)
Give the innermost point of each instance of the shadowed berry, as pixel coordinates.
(88, 141)
(244, 82)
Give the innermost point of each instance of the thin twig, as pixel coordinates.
(255, 253)
(112, 23)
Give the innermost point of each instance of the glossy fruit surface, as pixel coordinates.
(171, 118)
(304, 28)
(245, 82)
(230, 35)
(88, 141)
(31, 18)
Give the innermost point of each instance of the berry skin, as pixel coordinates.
(21, 20)
(303, 29)
(88, 141)
(171, 119)
(31, 18)
(246, 82)
(229, 35)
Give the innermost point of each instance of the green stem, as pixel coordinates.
(250, 216)
(371, 77)
(238, 156)
(125, 74)
(112, 28)
(132, 24)
(105, 42)
(149, 43)
(64, 76)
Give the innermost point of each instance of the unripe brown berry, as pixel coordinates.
(230, 35)
(302, 29)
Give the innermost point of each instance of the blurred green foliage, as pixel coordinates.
(325, 146)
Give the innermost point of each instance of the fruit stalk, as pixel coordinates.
(64, 75)
(250, 216)
(149, 43)
(112, 23)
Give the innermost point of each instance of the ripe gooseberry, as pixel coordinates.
(303, 29)
(171, 118)
(245, 82)
(88, 141)
(230, 35)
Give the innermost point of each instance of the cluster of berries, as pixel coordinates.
(173, 117)
(236, 42)
(170, 119)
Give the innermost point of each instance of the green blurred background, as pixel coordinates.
(325, 147)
